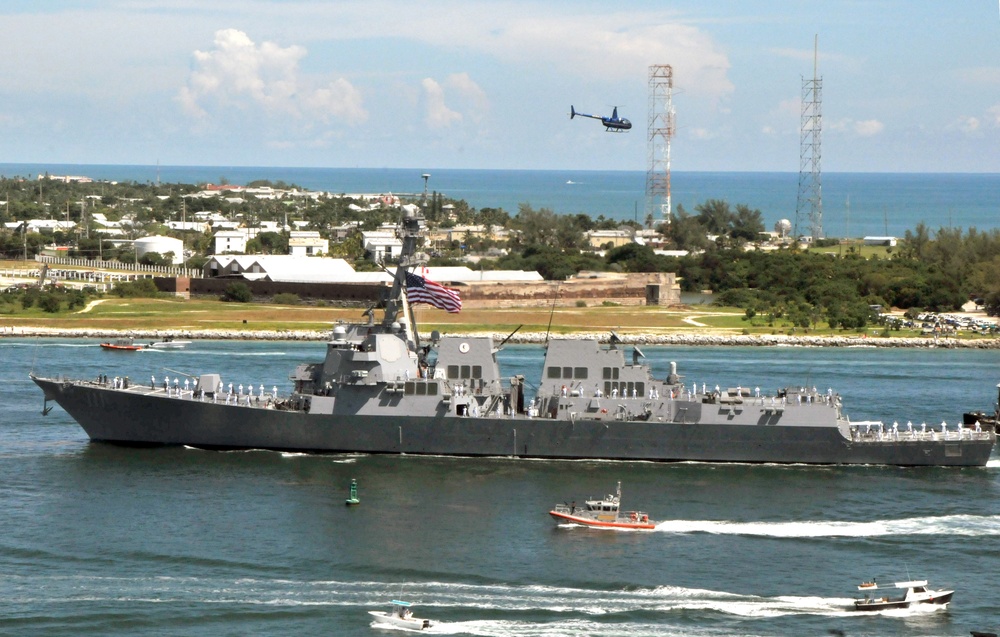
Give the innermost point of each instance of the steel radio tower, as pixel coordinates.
(660, 132)
(810, 199)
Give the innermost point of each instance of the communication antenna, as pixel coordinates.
(552, 312)
(809, 203)
(659, 134)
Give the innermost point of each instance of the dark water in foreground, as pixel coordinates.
(101, 540)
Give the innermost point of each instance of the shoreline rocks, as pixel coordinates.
(683, 339)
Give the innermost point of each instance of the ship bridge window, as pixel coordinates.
(420, 388)
(611, 373)
(567, 372)
(465, 371)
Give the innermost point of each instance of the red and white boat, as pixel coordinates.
(122, 345)
(606, 514)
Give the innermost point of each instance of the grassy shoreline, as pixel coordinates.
(210, 319)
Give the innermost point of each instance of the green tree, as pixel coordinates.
(237, 293)
(50, 302)
(746, 224)
(140, 288)
(714, 216)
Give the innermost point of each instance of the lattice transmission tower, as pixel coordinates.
(660, 132)
(809, 203)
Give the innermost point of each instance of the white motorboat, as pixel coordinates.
(401, 616)
(169, 343)
(916, 593)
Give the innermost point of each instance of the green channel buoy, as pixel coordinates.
(354, 494)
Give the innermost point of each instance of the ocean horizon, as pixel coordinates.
(854, 204)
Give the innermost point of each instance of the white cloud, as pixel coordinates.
(471, 93)
(808, 55)
(239, 74)
(868, 128)
(339, 99)
(965, 124)
(861, 128)
(438, 115)
(701, 133)
(618, 43)
(791, 106)
(465, 101)
(589, 42)
(982, 76)
(994, 115)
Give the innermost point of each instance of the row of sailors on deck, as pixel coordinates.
(175, 390)
(653, 393)
(804, 394)
(880, 431)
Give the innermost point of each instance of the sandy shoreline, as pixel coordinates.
(701, 339)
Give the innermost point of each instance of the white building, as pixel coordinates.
(307, 243)
(880, 241)
(233, 241)
(381, 245)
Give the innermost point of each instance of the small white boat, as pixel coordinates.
(401, 616)
(169, 343)
(917, 593)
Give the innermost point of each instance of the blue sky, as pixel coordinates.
(908, 86)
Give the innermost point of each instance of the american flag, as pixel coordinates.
(421, 290)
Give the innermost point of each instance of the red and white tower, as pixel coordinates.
(660, 132)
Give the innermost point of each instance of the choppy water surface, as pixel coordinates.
(98, 540)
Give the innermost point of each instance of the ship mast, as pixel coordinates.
(410, 233)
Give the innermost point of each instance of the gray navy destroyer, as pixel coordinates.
(381, 390)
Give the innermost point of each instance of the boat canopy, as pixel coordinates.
(912, 584)
(396, 602)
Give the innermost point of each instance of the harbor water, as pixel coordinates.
(97, 539)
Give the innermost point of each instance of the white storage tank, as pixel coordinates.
(160, 245)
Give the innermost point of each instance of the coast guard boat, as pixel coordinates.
(916, 592)
(121, 345)
(605, 514)
(381, 389)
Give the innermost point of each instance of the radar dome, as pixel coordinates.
(783, 227)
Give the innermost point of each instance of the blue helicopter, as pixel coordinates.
(613, 124)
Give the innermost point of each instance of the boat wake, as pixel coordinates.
(437, 598)
(965, 525)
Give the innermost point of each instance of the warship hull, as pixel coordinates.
(140, 415)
